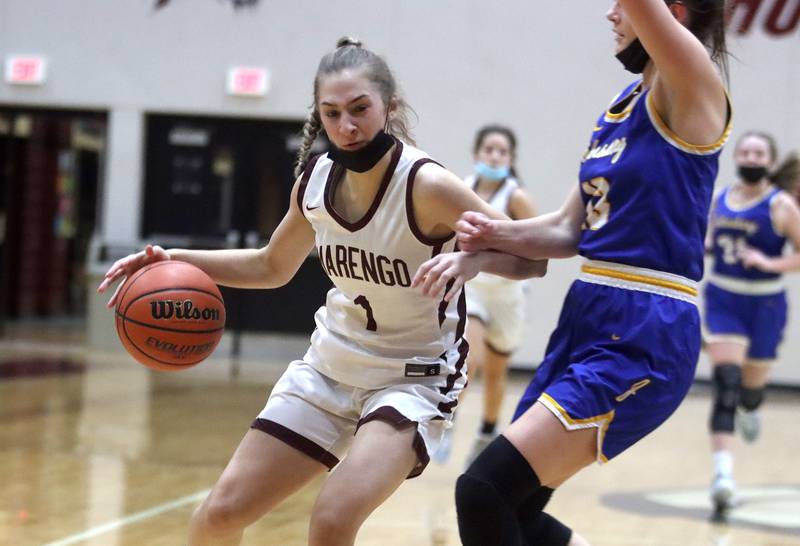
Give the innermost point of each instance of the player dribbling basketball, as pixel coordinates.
(386, 363)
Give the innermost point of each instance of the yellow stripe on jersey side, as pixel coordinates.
(600, 421)
(670, 136)
(603, 272)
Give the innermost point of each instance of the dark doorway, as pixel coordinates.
(226, 183)
(51, 166)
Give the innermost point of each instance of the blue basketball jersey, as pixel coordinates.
(733, 227)
(647, 192)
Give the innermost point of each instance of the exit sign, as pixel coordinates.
(247, 81)
(26, 69)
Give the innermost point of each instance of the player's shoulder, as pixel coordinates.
(783, 200)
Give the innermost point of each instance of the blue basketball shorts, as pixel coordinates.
(620, 360)
(758, 321)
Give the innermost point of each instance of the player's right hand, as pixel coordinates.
(475, 231)
(127, 266)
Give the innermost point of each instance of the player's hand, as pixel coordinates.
(434, 275)
(752, 257)
(127, 266)
(475, 231)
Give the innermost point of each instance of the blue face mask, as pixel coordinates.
(491, 173)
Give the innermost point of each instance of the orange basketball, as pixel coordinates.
(170, 315)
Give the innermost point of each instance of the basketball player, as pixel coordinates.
(745, 300)
(386, 364)
(623, 354)
(495, 305)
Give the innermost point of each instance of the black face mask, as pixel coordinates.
(752, 175)
(634, 57)
(364, 158)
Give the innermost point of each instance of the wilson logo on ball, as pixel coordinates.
(181, 309)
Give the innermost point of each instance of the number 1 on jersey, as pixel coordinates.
(372, 326)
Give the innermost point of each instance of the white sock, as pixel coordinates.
(723, 463)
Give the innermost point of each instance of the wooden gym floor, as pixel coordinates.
(95, 450)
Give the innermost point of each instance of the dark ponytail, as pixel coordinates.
(707, 22)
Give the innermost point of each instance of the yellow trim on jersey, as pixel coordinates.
(614, 274)
(602, 422)
(634, 95)
(670, 136)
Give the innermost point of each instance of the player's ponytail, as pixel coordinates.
(311, 129)
(787, 175)
(707, 22)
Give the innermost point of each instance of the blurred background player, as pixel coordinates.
(623, 355)
(745, 300)
(385, 366)
(495, 305)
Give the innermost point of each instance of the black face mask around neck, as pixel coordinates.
(364, 158)
(752, 175)
(634, 57)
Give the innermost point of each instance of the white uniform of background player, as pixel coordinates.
(499, 303)
(381, 349)
(495, 305)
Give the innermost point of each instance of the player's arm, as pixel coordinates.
(552, 235)
(520, 205)
(271, 266)
(268, 267)
(786, 215)
(688, 94)
(440, 199)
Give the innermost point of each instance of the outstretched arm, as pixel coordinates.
(268, 267)
(786, 215)
(553, 235)
(688, 92)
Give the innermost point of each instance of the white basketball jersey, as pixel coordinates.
(375, 330)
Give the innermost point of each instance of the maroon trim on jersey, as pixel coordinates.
(463, 349)
(335, 178)
(295, 440)
(412, 220)
(390, 415)
(462, 313)
(447, 407)
(444, 303)
(301, 191)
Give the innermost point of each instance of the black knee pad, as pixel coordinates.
(546, 531)
(489, 493)
(483, 516)
(751, 399)
(539, 528)
(505, 469)
(727, 381)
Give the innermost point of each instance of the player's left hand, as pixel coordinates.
(434, 275)
(752, 257)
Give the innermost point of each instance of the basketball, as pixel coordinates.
(170, 315)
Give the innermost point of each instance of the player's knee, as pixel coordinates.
(484, 516)
(547, 531)
(727, 381)
(332, 521)
(474, 497)
(219, 515)
(751, 399)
